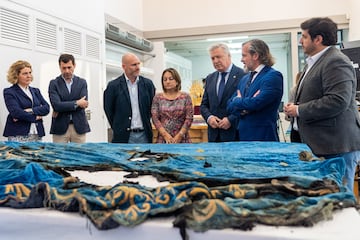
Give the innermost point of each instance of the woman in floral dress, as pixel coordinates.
(172, 110)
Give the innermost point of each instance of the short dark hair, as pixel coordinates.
(324, 27)
(65, 58)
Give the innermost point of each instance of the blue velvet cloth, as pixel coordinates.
(214, 185)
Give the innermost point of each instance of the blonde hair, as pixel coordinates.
(14, 70)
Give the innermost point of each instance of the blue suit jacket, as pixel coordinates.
(16, 101)
(258, 115)
(63, 103)
(117, 107)
(210, 105)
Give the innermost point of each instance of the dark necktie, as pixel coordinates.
(221, 85)
(249, 81)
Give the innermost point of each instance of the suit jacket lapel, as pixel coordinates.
(303, 79)
(141, 87)
(231, 79)
(255, 82)
(246, 86)
(63, 88)
(124, 87)
(300, 84)
(74, 86)
(21, 92)
(212, 84)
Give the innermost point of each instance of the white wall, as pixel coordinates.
(158, 64)
(130, 12)
(184, 68)
(82, 12)
(354, 15)
(165, 14)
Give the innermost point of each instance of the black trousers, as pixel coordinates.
(295, 136)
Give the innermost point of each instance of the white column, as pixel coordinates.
(354, 24)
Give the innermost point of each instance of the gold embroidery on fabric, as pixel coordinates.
(20, 189)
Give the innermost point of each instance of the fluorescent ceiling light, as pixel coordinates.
(235, 45)
(235, 51)
(226, 38)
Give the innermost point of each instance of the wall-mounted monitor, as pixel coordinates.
(352, 50)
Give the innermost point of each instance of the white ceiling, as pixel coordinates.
(193, 48)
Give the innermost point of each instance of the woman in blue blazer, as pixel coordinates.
(25, 104)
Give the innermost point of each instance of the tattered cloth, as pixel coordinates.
(213, 185)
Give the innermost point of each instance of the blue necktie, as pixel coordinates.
(221, 85)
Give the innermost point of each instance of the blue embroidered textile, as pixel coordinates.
(213, 185)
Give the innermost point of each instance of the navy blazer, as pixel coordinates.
(63, 104)
(258, 115)
(210, 105)
(117, 107)
(18, 121)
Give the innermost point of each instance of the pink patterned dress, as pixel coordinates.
(172, 115)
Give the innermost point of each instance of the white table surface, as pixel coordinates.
(52, 224)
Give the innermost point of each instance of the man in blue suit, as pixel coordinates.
(221, 125)
(69, 98)
(257, 99)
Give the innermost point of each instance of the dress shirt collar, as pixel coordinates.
(26, 88)
(227, 71)
(259, 68)
(128, 80)
(71, 81)
(229, 68)
(312, 59)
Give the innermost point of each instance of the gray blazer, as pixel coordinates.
(329, 121)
